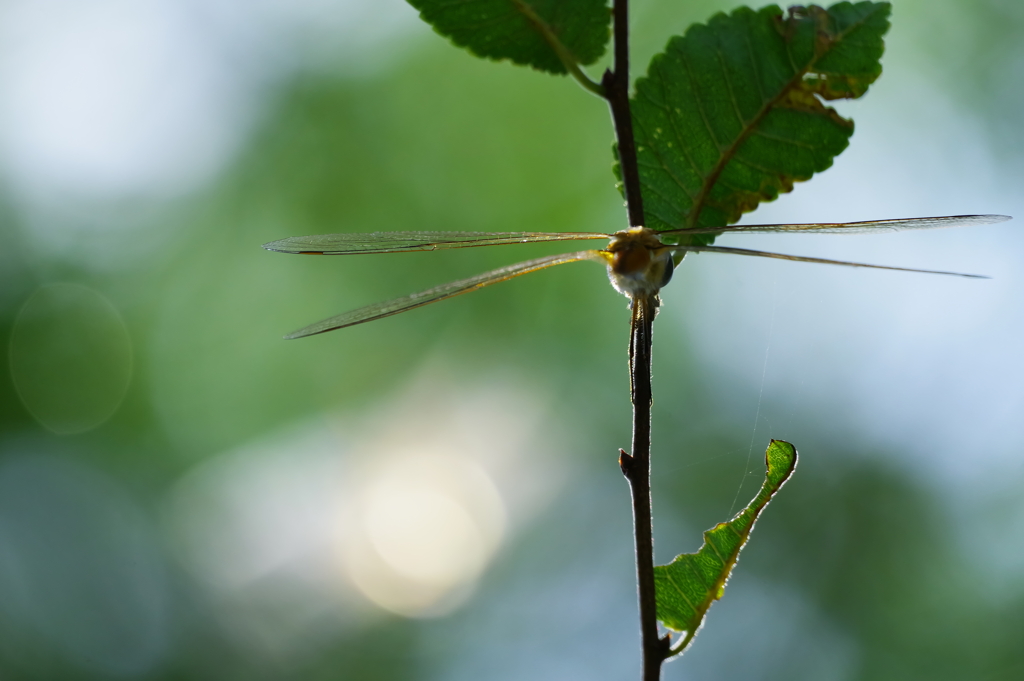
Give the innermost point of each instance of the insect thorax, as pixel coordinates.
(638, 263)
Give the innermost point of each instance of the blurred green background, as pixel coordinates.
(184, 495)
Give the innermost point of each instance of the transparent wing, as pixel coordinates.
(396, 242)
(851, 227)
(822, 261)
(433, 295)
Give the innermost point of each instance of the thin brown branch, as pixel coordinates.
(616, 89)
(637, 469)
(637, 465)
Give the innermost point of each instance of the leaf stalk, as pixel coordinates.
(567, 58)
(683, 644)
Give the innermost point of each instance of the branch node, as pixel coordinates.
(665, 644)
(608, 82)
(625, 463)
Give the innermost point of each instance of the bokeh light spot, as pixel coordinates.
(70, 357)
(423, 534)
(429, 524)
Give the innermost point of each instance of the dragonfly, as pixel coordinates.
(639, 262)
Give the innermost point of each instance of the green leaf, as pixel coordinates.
(686, 587)
(731, 114)
(523, 31)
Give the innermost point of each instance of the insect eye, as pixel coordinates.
(669, 269)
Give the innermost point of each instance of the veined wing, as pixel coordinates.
(396, 242)
(850, 227)
(433, 295)
(822, 261)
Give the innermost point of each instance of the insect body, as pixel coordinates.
(638, 263)
(639, 260)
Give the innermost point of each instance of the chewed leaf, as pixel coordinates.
(686, 587)
(515, 29)
(732, 113)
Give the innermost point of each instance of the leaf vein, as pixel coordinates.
(664, 166)
(707, 542)
(728, 87)
(661, 195)
(753, 66)
(755, 166)
(671, 577)
(779, 138)
(697, 101)
(682, 146)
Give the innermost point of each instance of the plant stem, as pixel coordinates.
(637, 466)
(637, 469)
(616, 91)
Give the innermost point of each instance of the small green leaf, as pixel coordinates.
(731, 114)
(686, 587)
(515, 29)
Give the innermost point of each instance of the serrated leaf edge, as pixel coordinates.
(753, 511)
